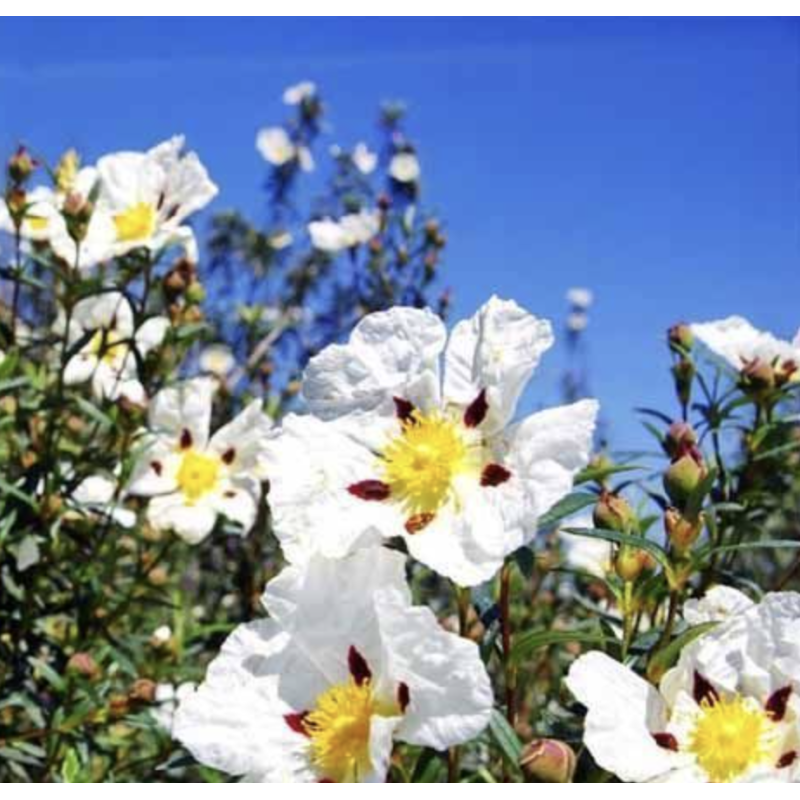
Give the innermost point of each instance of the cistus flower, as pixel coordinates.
(278, 149)
(729, 712)
(149, 196)
(717, 604)
(192, 478)
(405, 168)
(741, 346)
(217, 360)
(394, 450)
(297, 93)
(344, 667)
(364, 159)
(580, 298)
(351, 230)
(108, 344)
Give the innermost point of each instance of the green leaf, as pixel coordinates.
(71, 768)
(566, 507)
(666, 657)
(590, 474)
(505, 738)
(766, 544)
(655, 550)
(526, 643)
(698, 496)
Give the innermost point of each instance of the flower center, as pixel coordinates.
(339, 730)
(136, 222)
(421, 463)
(108, 346)
(731, 736)
(37, 224)
(197, 475)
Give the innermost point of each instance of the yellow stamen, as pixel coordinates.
(197, 475)
(731, 736)
(421, 463)
(37, 224)
(108, 346)
(136, 223)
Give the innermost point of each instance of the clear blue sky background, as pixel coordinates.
(655, 161)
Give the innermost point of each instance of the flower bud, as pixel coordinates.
(195, 293)
(682, 478)
(83, 664)
(758, 376)
(630, 562)
(681, 532)
(786, 372)
(680, 440)
(613, 513)
(21, 166)
(67, 171)
(17, 204)
(77, 213)
(683, 373)
(142, 691)
(680, 338)
(549, 761)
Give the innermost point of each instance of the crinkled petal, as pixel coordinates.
(718, 603)
(388, 351)
(244, 439)
(192, 523)
(185, 406)
(497, 350)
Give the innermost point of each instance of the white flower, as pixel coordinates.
(592, 556)
(344, 667)
(107, 357)
(729, 712)
(168, 696)
(296, 94)
(351, 230)
(327, 235)
(577, 322)
(405, 168)
(280, 240)
(149, 196)
(100, 495)
(718, 604)
(277, 148)
(192, 478)
(402, 453)
(161, 636)
(217, 360)
(581, 298)
(738, 343)
(364, 159)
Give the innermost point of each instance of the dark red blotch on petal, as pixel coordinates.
(229, 456)
(403, 696)
(476, 411)
(158, 467)
(777, 703)
(404, 408)
(787, 759)
(358, 666)
(704, 691)
(667, 741)
(370, 490)
(295, 722)
(186, 439)
(494, 475)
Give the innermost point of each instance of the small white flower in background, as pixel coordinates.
(100, 495)
(217, 360)
(738, 343)
(718, 604)
(278, 149)
(105, 323)
(2, 356)
(296, 94)
(364, 159)
(161, 636)
(395, 450)
(167, 698)
(405, 168)
(580, 298)
(592, 556)
(331, 236)
(190, 477)
(729, 712)
(148, 196)
(343, 669)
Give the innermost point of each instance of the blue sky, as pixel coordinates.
(656, 161)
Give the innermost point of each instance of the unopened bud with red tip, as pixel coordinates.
(683, 373)
(787, 372)
(21, 166)
(613, 513)
(683, 477)
(681, 532)
(384, 201)
(680, 338)
(758, 377)
(77, 212)
(17, 205)
(83, 664)
(680, 440)
(549, 761)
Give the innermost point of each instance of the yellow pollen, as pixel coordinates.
(37, 224)
(136, 223)
(197, 475)
(730, 737)
(339, 730)
(421, 463)
(108, 346)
